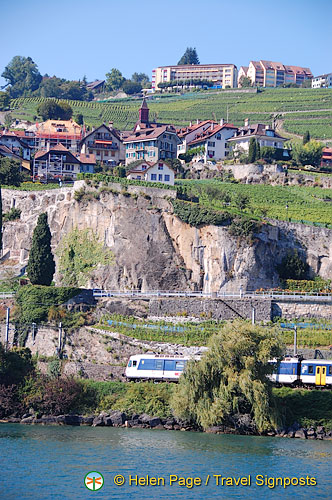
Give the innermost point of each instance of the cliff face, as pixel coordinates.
(153, 249)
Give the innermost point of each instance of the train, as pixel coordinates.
(290, 371)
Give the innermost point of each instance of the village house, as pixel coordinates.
(53, 132)
(97, 87)
(326, 160)
(104, 142)
(213, 141)
(14, 142)
(264, 134)
(188, 134)
(159, 171)
(150, 141)
(58, 162)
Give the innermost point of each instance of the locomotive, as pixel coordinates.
(291, 371)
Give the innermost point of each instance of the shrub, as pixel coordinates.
(197, 215)
(13, 214)
(292, 267)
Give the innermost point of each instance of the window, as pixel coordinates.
(310, 369)
(179, 365)
(129, 364)
(218, 137)
(160, 166)
(212, 144)
(134, 363)
(167, 178)
(330, 370)
(153, 177)
(159, 364)
(160, 177)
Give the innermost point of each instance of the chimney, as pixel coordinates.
(246, 122)
(221, 121)
(197, 121)
(212, 126)
(110, 125)
(190, 124)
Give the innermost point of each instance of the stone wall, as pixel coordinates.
(294, 309)
(220, 309)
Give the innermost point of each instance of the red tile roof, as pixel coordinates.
(211, 132)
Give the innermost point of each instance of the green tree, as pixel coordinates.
(10, 174)
(8, 120)
(114, 79)
(231, 379)
(252, 150)
(51, 87)
(141, 78)
(245, 82)
(4, 101)
(51, 110)
(41, 266)
(80, 252)
(189, 57)
(293, 267)
(258, 150)
(65, 110)
(23, 76)
(79, 119)
(308, 154)
(306, 137)
(0, 221)
(241, 201)
(130, 87)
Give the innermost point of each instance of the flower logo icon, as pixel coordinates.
(94, 481)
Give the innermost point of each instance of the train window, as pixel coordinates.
(330, 370)
(134, 363)
(310, 369)
(179, 365)
(129, 364)
(159, 364)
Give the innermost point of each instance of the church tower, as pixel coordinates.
(144, 112)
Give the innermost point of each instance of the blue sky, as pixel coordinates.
(71, 38)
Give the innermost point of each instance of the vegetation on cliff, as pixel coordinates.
(80, 252)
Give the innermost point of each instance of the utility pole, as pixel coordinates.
(253, 315)
(60, 340)
(295, 341)
(7, 329)
(33, 332)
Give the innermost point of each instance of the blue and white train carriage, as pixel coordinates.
(287, 371)
(155, 367)
(316, 372)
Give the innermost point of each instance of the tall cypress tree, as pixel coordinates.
(306, 137)
(258, 150)
(252, 150)
(41, 266)
(0, 222)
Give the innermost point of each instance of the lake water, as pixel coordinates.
(50, 463)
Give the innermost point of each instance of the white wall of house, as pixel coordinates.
(160, 172)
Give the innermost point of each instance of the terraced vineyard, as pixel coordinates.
(311, 205)
(301, 109)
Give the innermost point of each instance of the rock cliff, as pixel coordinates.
(154, 249)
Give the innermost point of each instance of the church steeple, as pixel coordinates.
(144, 112)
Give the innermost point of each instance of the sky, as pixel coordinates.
(71, 38)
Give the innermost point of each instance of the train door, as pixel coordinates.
(320, 375)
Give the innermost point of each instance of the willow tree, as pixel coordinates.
(231, 378)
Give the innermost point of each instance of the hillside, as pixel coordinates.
(297, 110)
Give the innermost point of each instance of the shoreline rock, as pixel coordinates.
(117, 418)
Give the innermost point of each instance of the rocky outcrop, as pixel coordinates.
(154, 249)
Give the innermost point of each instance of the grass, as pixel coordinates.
(307, 407)
(298, 104)
(305, 204)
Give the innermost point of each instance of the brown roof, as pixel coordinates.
(58, 148)
(211, 132)
(149, 133)
(111, 130)
(254, 130)
(186, 130)
(87, 158)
